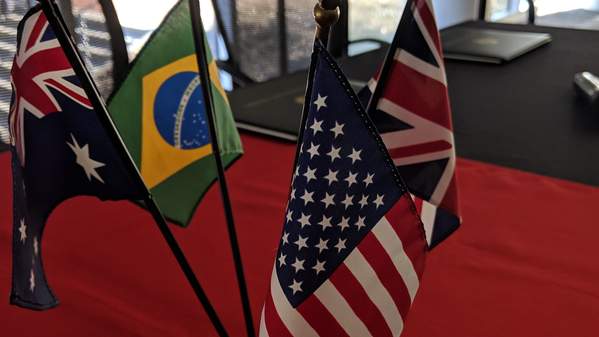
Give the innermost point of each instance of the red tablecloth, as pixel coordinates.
(525, 262)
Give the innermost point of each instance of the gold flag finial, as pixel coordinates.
(326, 14)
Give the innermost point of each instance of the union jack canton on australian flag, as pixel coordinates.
(413, 116)
(353, 247)
(59, 150)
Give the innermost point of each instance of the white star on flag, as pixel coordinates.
(321, 102)
(307, 197)
(298, 265)
(310, 174)
(349, 201)
(282, 261)
(344, 224)
(325, 222)
(364, 201)
(331, 177)
(360, 223)
(313, 150)
(355, 156)
(23, 231)
(328, 200)
(322, 245)
(316, 127)
(32, 281)
(286, 238)
(84, 160)
(296, 286)
(301, 243)
(304, 220)
(338, 129)
(334, 154)
(351, 179)
(319, 267)
(379, 201)
(368, 179)
(340, 245)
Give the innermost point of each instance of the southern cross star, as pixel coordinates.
(84, 160)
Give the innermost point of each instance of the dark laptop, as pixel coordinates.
(489, 45)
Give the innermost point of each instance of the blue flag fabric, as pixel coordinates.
(59, 150)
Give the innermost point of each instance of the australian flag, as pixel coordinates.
(59, 150)
(352, 251)
(412, 112)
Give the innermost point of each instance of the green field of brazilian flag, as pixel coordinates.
(160, 112)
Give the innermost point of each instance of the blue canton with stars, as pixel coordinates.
(344, 183)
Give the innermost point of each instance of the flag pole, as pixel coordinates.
(386, 68)
(200, 46)
(326, 14)
(55, 20)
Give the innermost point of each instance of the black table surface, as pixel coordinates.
(523, 114)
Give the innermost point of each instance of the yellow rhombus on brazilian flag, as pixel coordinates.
(160, 113)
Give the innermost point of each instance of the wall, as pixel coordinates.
(451, 12)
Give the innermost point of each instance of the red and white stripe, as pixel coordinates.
(369, 294)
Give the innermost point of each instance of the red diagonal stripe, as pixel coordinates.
(75, 96)
(36, 31)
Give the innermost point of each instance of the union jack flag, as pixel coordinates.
(39, 64)
(352, 252)
(410, 108)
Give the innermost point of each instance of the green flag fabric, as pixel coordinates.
(160, 112)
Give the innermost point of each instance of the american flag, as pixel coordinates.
(353, 247)
(413, 114)
(69, 152)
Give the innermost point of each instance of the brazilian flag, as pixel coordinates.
(160, 112)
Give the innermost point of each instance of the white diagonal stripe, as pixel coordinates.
(394, 247)
(330, 297)
(295, 323)
(425, 68)
(263, 331)
(375, 290)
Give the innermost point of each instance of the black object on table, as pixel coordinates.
(523, 114)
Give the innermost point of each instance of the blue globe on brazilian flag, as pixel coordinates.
(160, 112)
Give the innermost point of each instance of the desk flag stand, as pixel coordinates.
(56, 21)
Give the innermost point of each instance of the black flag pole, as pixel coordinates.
(326, 14)
(200, 46)
(60, 29)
